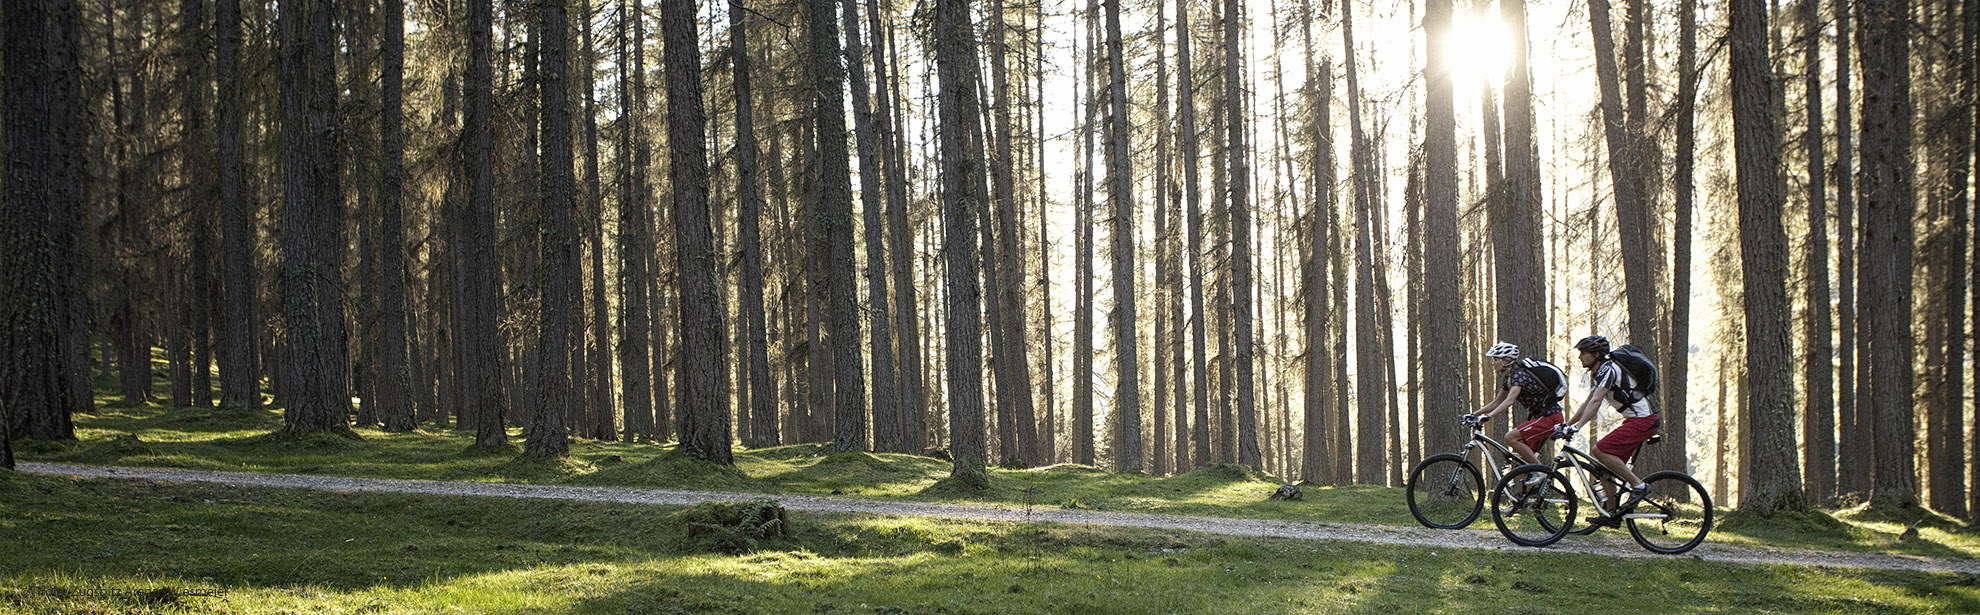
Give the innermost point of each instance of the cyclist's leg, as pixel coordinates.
(1621, 443)
(1529, 436)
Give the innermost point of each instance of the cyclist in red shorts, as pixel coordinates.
(1640, 421)
(1538, 386)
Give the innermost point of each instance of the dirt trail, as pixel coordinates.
(1614, 544)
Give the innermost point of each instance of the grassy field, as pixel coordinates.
(76, 546)
(209, 439)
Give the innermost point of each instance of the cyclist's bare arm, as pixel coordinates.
(1504, 401)
(1589, 408)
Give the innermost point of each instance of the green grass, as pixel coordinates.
(207, 439)
(104, 546)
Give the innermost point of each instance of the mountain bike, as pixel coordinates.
(1534, 505)
(1445, 491)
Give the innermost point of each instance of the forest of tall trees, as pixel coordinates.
(873, 226)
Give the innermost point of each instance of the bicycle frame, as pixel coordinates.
(1585, 482)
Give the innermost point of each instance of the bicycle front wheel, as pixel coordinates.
(1533, 505)
(1595, 475)
(1675, 517)
(1445, 492)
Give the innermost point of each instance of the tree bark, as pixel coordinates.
(636, 365)
(1120, 191)
(1315, 463)
(547, 436)
(1082, 401)
(886, 423)
(1819, 411)
(1852, 426)
(1623, 136)
(1774, 485)
(1677, 370)
(955, 59)
(1240, 173)
(1887, 246)
(480, 364)
(395, 384)
(834, 203)
(237, 377)
(1193, 199)
(315, 393)
(1368, 354)
(1441, 294)
(749, 197)
(40, 269)
(1522, 282)
(913, 406)
(604, 419)
(1015, 359)
(704, 419)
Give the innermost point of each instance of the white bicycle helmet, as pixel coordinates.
(1503, 350)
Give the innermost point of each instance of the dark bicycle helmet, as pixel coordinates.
(1593, 343)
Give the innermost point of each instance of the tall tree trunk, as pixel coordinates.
(1949, 469)
(955, 59)
(1677, 369)
(395, 384)
(1120, 190)
(1240, 172)
(196, 151)
(1315, 466)
(1369, 393)
(1014, 359)
(886, 425)
(834, 191)
(912, 406)
(603, 418)
(1852, 425)
(1082, 402)
(636, 366)
(1623, 135)
(1818, 349)
(237, 378)
(1193, 198)
(1883, 36)
(316, 399)
(704, 419)
(1775, 483)
(1522, 282)
(1971, 12)
(40, 269)
(1165, 406)
(480, 361)
(546, 435)
(749, 197)
(1441, 294)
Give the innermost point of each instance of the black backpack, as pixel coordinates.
(1641, 374)
(1550, 376)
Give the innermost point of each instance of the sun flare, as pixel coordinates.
(1478, 49)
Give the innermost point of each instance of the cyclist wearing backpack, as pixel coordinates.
(1538, 386)
(1628, 395)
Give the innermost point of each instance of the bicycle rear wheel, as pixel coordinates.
(1675, 517)
(1445, 492)
(1533, 505)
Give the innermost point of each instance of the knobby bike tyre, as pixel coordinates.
(1675, 517)
(1445, 492)
(1533, 515)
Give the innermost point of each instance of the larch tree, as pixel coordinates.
(1818, 349)
(40, 268)
(1014, 361)
(1240, 219)
(1193, 199)
(395, 380)
(1883, 40)
(1082, 360)
(1621, 132)
(480, 361)
(1515, 216)
(236, 329)
(834, 207)
(749, 199)
(1126, 409)
(1677, 368)
(636, 366)
(913, 406)
(1851, 426)
(955, 60)
(886, 425)
(315, 393)
(1774, 484)
(1369, 390)
(704, 419)
(546, 435)
(1440, 227)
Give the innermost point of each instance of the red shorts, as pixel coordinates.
(1535, 432)
(1624, 440)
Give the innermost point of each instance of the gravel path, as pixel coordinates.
(1614, 544)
